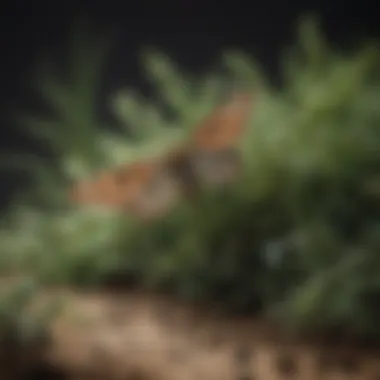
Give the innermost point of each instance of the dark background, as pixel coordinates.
(192, 32)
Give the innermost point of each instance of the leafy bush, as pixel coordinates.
(298, 236)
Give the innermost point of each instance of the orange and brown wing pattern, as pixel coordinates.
(150, 188)
(214, 153)
(224, 127)
(113, 188)
(144, 189)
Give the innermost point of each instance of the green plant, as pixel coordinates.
(297, 236)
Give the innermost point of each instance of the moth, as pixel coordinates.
(151, 187)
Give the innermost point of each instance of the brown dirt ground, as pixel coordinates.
(141, 336)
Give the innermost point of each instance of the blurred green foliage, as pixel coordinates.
(298, 236)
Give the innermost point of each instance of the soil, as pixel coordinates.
(108, 335)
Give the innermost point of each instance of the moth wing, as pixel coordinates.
(214, 156)
(225, 125)
(99, 191)
(114, 187)
(143, 189)
(217, 167)
(158, 197)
